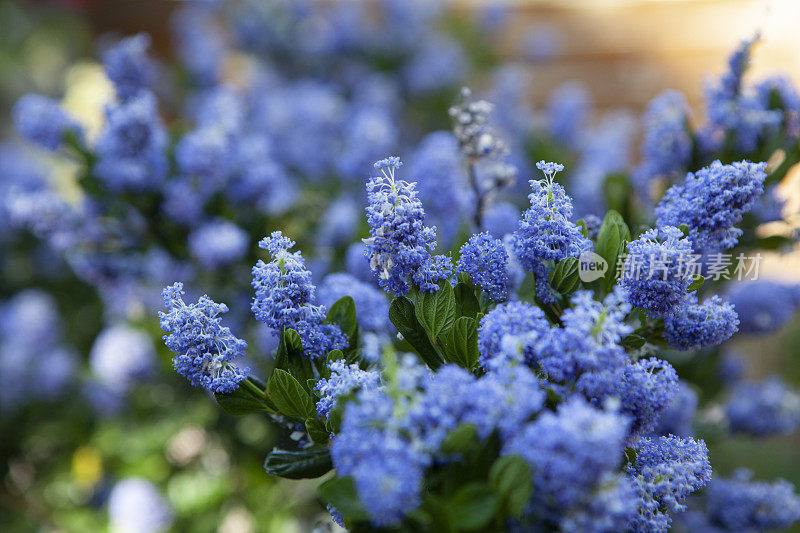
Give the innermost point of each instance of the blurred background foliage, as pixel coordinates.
(57, 471)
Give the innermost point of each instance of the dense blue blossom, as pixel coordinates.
(546, 234)
(569, 452)
(135, 505)
(503, 400)
(500, 219)
(586, 350)
(764, 306)
(218, 243)
(667, 145)
(205, 155)
(605, 150)
(34, 365)
(344, 379)
(372, 307)
(258, 178)
(338, 223)
(695, 325)
(666, 470)
(677, 418)
(485, 259)
(609, 508)
(122, 356)
(712, 201)
(654, 274)
(441, 183)
(204, 348)
(374, 448)
(128, 67)
(567, 112)
(400, 244)
(370, 131)
(778, 92)
(646, 390)
(42, 121)
(740, 504)
(515, 319)
(131, 150)
(357, 262)
(285, 295)
(763, 408)
(438, 63)
(733, 115)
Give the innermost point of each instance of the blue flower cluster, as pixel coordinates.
(43, 122)
(285, 295)
(546, 233)
(34, 363)
(712, 201)
(371, 304)
(666, 470)
(204, 348)
(400, 244)
(740, 504)
(344, 379)
(654, 274)
(764, 306)
(763, 408)
(218, 243)
(667, 145)
(485, 259)
(695, 325)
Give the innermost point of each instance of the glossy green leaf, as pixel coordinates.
(461, 343)
(340, 492)
(466, 301)
(436, 311)
(289, 396)
(298, 464)
(343, 313)
(510, 476)
(473, 506)
(248, 398)
(564, 276)
(401, 313)
(696, 283)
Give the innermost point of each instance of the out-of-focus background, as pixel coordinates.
(625, 52)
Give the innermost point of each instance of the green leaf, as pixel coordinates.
(459, 439)
(248, 398)
(290, 357)
(611, 239)
(466, 301)
(634, 341)
(298, 464)
(564, 276)
(289, 396)
(461, 343)
(343, 313)
(401, 313)
(696, 284)
(436, 311)
(340, 492)
(510, 476)
(316, 430)
(630, 455)
(473, 506)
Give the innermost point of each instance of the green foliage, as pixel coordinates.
(343, 313)
(248, 398)
(460, 343)
(436, 311)
(340, 492)
(402, 315)
(564, 276)
(299, 464)
(510, 476)
(289, 396)
(611, 240)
